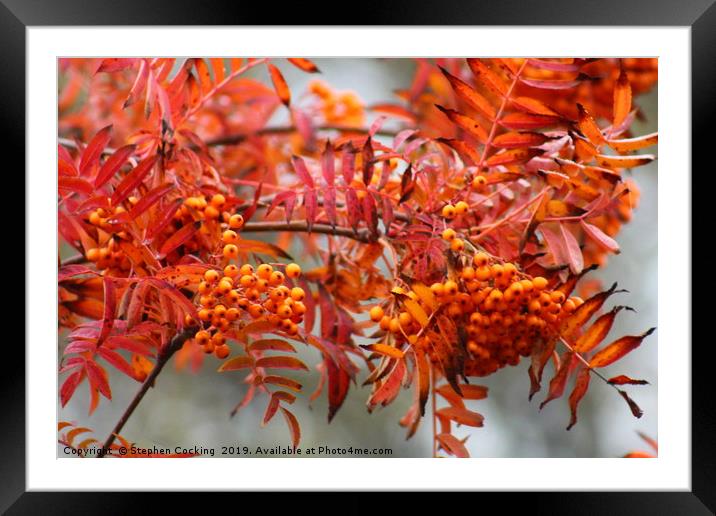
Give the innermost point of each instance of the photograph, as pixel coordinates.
(357, 257)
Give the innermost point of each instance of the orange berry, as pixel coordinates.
(293, 271)
(448, 211)
(211, 213)
(218, 200)
(222, 351)
(211, 276)
(209, 348)
(231, 251)
(229, 237)
(231, 271)
(204, 314)
(578, 301)
(93, 254)
(385, 323)
(457, 245)
(480, 259)
(450, 288)
(202, 337)
(467, 273)
(394, 325)
(376, 313)
(264, 271)
(479, 182)
(461, 208)
(284, 312)
(297, 294)
(568, 306)
(449, 234)
(232, 314)
(483, 273)
(557, 297)
(276, 278)
(247, 280)
(256, 311)
(246, 269)
(437, 289)
(539, 283)
(236, 221)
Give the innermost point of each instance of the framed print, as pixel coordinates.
(313, 250)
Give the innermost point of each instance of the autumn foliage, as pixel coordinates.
(451, 235)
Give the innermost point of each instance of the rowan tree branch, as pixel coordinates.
(174, 345)
(301, 226)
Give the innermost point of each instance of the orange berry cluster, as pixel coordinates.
(504, 312)
(108, 256)
(260, 293)
(215, 218)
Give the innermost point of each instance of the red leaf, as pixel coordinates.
(140, 83)
(557, 84)
(133, 179)
(288, 199)
(94, 149)
(110, 300)
(558, 383)
(625, 380)
(469, 94)
(70, 385)
(573, 253)
(328, 164)
(338, 382)
(178, 238)
(310, 202)
(74, 185)
(98, 379)
(300, 167)
(367, 160)
(112, 165)
(370, 214)
(580, 389)
(635, 410)
(117, 361)
(115, 64)
(162, 219)
(600, 237)
(293, 426)
(467, 124)
(147, 201)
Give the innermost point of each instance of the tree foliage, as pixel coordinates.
(449, 238)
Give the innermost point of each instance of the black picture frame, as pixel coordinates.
(699, 15)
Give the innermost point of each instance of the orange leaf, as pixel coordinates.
(597, 332)
(279, 84)
(293, 426)
(487, 77)
(282, 362)
(581, 385)
(452, 445)
(236, 363)
(462, 416)
(304, 64)
(470, 95)
(632, 144)
(384, 349)
(465, 123)
(618, 349)
(512, 140)
(622, 99)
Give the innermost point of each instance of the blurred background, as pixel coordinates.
(186, 409)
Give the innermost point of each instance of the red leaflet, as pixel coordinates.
(310, 202)
(140, 83)
(513, 140)
(600, 237)
(469, 125)
(528, 122)
(115, 64)
(94, 149)
(622, 99)
(559, 84)
(573, 253)
(112, 165)
(559, 382)
(300, 167)
(133, 179)
(117, 361)
(178, 238)
(110, 300)
(75, 185)
(462, 416)
(70, 385)
(625, 380)
(581, 385)
(367, 159)
(293, 426)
